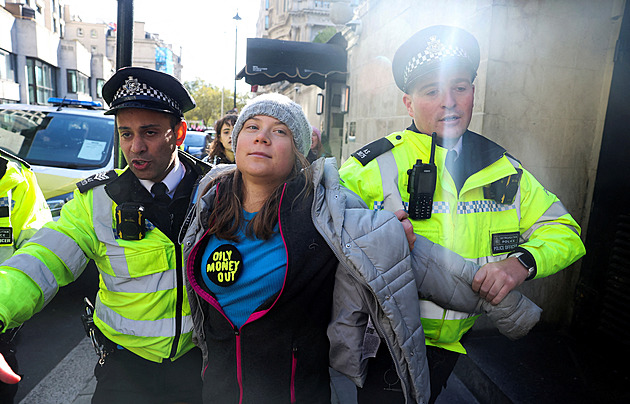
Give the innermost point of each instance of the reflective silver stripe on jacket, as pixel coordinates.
(39, 272)
(64, 248)
(153, 282)
(392, 201)
(122, 281)
(430, 310)
(102, 219)
(555, 211)
(140, 328)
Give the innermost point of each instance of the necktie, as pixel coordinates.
(160, 196)
(453, 168)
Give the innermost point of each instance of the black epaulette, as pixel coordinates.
(372, 150)
(97, 179)
(10, 156)
(3, 166)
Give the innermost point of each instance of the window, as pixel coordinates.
(73, 139)
(322, 4)
(99, 87)
(78, 82)
(79, 31)
(93, 34)
(42, 81)
(266, 22)
(7, 66)
(72, 81)
(266, 4)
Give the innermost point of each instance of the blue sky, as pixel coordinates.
(204, 29)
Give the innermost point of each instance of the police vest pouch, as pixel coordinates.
(504, 190)
(130, 221)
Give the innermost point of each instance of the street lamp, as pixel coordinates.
(237, 19)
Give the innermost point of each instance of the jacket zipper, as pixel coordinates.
(237, 333)
(179, 300)
(239, 370)
(375, 322)
(293, 371)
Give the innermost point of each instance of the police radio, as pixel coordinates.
(130, 221)
(421, 186)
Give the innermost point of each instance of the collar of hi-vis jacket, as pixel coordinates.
(477, 154)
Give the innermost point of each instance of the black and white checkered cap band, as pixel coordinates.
(427, 56)
(143, 89)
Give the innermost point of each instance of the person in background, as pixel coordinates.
(274, 240)
(23, 211)
(485, 205)
(220, 150)
(317, 149)
(128, 222)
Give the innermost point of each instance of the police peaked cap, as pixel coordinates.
(139, 87)
(433, 48)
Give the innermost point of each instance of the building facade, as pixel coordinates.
(45, 51)
(307, 21)
(293, 20)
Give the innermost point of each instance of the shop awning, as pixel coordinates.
(273, 60)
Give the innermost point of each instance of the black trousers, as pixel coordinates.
(441, 364)
(126, 378)
(382, 384)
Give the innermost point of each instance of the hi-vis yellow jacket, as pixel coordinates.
(23, 208)
(142, 302)
(467, 222)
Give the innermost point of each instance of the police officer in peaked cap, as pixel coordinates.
(127, 221)
(432, 49)
(138, 87)
(484, 206)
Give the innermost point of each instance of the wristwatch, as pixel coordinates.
(528, 262)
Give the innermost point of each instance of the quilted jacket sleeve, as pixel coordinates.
(445, 278)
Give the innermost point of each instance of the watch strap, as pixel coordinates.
(527, 260)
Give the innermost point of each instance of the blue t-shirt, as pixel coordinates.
(244, 275)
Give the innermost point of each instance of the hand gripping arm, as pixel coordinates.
(445, 278)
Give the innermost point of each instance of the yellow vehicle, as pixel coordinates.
(64, 143)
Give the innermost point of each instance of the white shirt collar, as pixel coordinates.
(458, 147)
(171, 180)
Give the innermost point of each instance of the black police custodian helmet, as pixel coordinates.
(433, 48)
(139, 87)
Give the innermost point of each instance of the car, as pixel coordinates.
(63, 142)
(211, 134)
(195, 143)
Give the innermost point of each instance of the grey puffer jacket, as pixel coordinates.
(375, 279)
(378, 278)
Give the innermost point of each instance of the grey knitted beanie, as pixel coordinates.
(283, 109)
